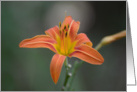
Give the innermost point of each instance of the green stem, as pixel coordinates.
(68, 79)
(99, 46)
(77, 66)
(106, 40)
(67, 75)
(74, 70)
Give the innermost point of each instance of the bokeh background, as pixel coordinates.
(24, 69)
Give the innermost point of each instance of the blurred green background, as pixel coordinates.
(25, 69)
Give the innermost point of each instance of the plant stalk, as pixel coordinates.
(106, 40)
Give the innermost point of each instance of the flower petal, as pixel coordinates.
(82, 38)
(88, 54)
(56, 66)
(67, 21)
(53, 32)
(39, 41)
(73, 26)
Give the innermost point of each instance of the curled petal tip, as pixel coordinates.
(20, 45)
(82, 38)
(78, 22)
(101, 61)
(55, 81)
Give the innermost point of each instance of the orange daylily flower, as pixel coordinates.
(65, 41)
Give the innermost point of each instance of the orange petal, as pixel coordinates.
(39, 41)
(73, 26)
(53, 32)
(66, 21)
(82, 38)
(56, 66)
(88, 54)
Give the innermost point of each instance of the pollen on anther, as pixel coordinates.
(68, 25)
(60, 24)
(65, 27)
(66, 34)
(63, 30)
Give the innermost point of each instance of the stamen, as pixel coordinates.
(68, 26)
(59, 24)
(63, 30)
(65, 27)
(60, 31)
(65, 13)
(66, 34)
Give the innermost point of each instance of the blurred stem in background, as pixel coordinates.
(111, 38)
(70, 76)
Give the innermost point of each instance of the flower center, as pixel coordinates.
(65, 45)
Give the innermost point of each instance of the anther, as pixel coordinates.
(65, 27)
(66, 34)
(60, 24)
(63, 30)
(68, 26)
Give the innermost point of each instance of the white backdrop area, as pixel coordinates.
(133, 22)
